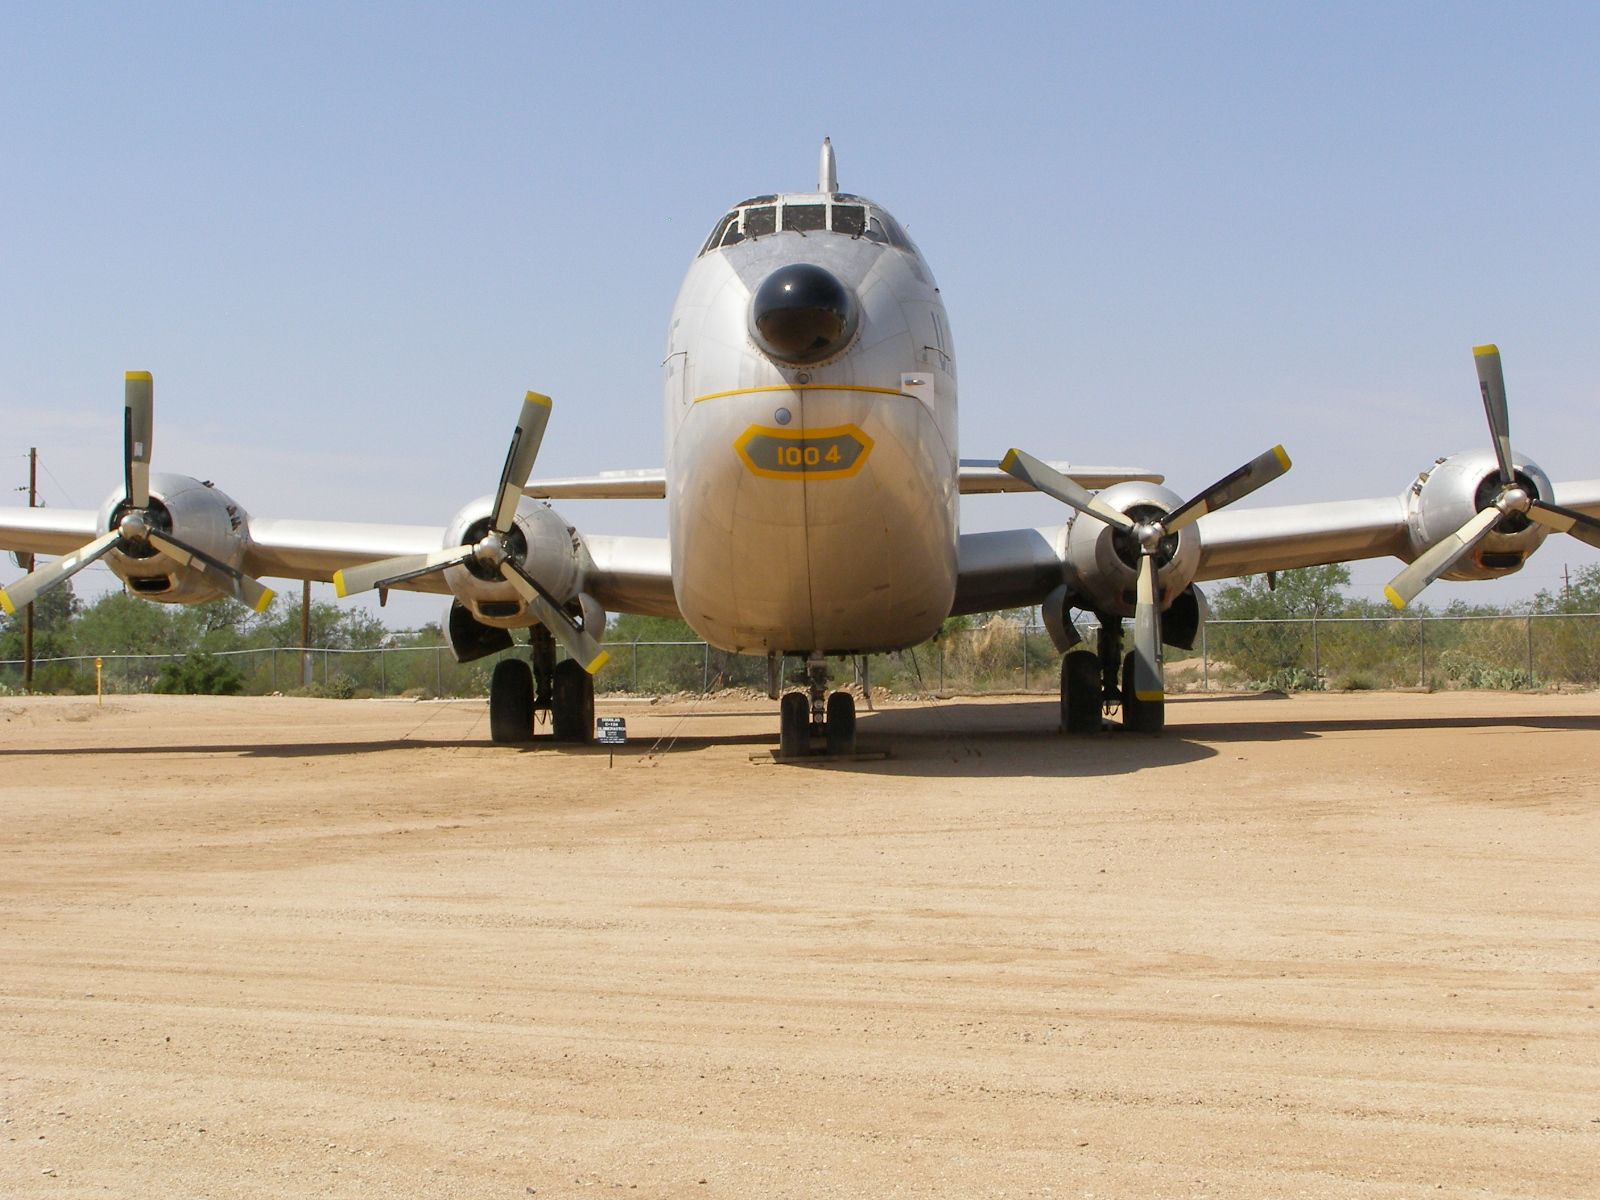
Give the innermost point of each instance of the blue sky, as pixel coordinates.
(347, 237)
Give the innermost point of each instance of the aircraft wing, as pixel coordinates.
(978, 476)
(47, 530)
(627, 575)
(983, 476)
(647, 484)
(1013, 568)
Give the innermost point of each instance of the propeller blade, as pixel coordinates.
(1044, 478)
(1149, 682)
(524, 449)
(1566, 520)
(1258, 472)
(1492, 383)
(29, 587)
(138, 392)
(387, 572)
(235, 582)
(1439, 558)
(563, 628)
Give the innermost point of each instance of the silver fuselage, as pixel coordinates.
(812, 508)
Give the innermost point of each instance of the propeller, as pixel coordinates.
(137, 522)
(1148, 684)
(494, 549)
(1512, 497)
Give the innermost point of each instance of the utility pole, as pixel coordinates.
(305, 634)
(25, 561)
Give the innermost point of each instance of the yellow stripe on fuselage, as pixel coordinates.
(800, 387)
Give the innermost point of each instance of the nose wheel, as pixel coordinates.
(816, 714)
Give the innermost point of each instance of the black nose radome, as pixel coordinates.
(802, 314)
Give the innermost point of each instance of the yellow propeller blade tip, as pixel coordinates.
(538, 398)
(266, 600)
(600, 660)
(1394, 597)
(5, 603)
(338, 584)
(1009, 461)
(140, 375)
(1483, 351)
(1282, 456)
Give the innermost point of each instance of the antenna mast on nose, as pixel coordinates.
(827, 172)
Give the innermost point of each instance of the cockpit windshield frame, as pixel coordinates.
(763, 216)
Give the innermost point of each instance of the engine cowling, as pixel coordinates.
(1447, 494)
(193, 511)
(550, 550)
(1103, 563)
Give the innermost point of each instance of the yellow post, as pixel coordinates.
(99, 696)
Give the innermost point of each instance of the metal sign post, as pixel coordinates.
(611, 732)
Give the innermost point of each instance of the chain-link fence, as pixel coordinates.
(1510, 651)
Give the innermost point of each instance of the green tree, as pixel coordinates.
(1307, 592)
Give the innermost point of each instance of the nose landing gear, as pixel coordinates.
(816, 713)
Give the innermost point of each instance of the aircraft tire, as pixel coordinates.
(841, 731)
(794, 725)
(1080, 692)
(511, 702)
(572, 703)
(1139, 716)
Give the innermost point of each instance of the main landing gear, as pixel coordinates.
(519, 691)
(1095, 681)
(816, 713)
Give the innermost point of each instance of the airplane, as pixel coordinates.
(812, 482)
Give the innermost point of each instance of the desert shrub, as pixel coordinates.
(199, 674)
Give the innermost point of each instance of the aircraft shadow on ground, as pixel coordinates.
(948, 740)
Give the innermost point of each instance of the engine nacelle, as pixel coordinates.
(192, 511)
(1445, 497)
(547, 546)
(1103, 563)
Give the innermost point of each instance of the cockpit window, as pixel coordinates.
(849, 218)
(805, 218)
(848, 215)
(897, 236)
(715, 239)
(758, 222)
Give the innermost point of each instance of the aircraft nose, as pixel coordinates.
(801, 313)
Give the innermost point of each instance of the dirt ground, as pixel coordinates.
(1333, 945)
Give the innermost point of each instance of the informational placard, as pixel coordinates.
(611, 731)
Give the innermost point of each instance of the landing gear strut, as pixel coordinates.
(1092, 681)
(815, 713)
(519, 690)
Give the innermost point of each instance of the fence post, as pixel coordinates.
(705, 669)
(1024, 658)
(1530, 650)
(1205, 659)
(1422, 651)
(635, 666)
(1316, 653)
(438, 673)
(383, 675)
(274, 668)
